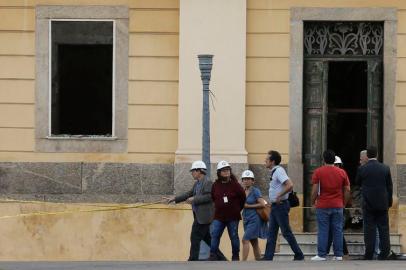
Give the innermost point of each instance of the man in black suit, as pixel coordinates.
(376, 184)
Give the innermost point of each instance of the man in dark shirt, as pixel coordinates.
(202, 205)
(376, 184)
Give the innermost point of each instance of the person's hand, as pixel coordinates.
(189, 200)
(169, 199)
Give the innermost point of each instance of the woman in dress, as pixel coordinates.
(254, 226)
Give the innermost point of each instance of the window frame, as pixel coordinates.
(113, 136)
(44, 141)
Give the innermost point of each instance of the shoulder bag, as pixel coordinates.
(293, 199)
(265, 211)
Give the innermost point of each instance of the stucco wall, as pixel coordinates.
(153, 83)
(132, 234)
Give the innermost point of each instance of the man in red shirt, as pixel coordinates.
(330, 193)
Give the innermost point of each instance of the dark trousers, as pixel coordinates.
(280, 219)
(200, 232)
(376, 219)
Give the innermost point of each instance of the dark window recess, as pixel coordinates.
(82, 70)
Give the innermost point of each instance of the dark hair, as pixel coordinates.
(275, 156)
(329, 156)
(232, 176)
(202, 171)
(372, 151)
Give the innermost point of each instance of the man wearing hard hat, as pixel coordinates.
(202, 205)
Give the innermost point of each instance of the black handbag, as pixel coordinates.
(293, 199)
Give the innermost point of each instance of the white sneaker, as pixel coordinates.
(337, 258)
(317, 258)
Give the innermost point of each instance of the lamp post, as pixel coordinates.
(205, 64)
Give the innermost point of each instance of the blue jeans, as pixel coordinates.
(217, 231)
(280, 219)
(329, 219)
(377, 251)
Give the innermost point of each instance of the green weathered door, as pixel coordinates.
(374, 112)
(314, 128)
(315, 84)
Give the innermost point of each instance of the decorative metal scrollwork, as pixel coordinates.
(343, 38)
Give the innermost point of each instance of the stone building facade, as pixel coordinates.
(154, 122)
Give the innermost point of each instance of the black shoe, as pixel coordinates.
(301, 258)
(235, 258)
(264, 259)
(213, 257)
(220, 256)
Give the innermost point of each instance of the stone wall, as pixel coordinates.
(401, 168)
(92, 182)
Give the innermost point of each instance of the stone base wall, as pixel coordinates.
(106, 182)
(93, 182)
(97, 182)
(401, 175)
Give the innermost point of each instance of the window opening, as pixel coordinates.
(81, 78)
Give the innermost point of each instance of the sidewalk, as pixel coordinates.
(307, 265)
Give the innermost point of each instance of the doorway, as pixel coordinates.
(342, 111)
(347, 112)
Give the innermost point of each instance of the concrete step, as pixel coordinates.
(311, 248)
(308, 244)
(308, 256)
(349, 237)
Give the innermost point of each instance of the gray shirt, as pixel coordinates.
(279, 177)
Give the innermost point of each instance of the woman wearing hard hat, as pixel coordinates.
(254, 226)
(229, 199)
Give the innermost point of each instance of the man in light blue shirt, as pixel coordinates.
(279, 189)
(279, 182)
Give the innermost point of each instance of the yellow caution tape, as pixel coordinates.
(112, 207)
(62, 203)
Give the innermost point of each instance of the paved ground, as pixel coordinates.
(347, 265)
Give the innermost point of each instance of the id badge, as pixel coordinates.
(225, 199)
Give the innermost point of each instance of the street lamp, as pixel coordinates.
(205, 64)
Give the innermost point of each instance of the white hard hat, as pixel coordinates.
(198, 165)
(338, 160)
(247, 174)
(222, 164)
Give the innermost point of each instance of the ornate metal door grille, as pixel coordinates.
(343, 38)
